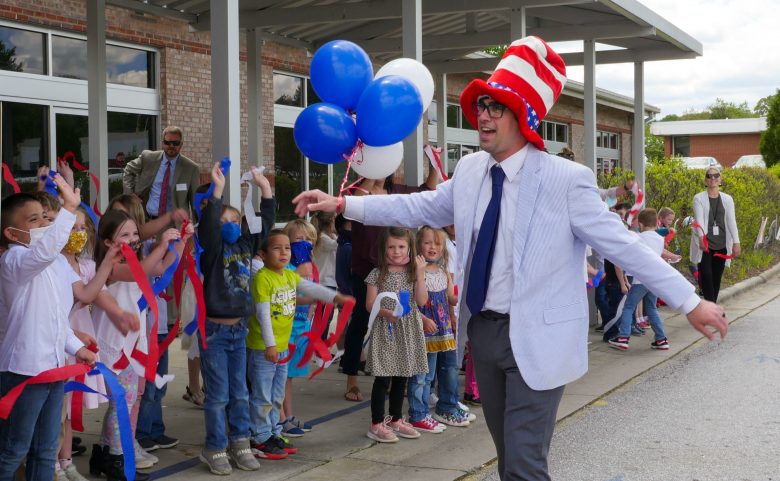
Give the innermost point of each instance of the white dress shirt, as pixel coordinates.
(153, 205)
(501, 283)
(36, 286)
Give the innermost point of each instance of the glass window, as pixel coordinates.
(129, 66)
(433, 114)
(73, 136)
(22, 50)
(681, 145)
(24, 146)
(453, 116)
(69, 57)
(453, 155)
(288, 177)
(464, 123)
(613, 141)
(561, 133)
(288, 90)
(311, 95)
(128, 135)
(549, 131)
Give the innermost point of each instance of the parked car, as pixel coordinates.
(755, 161)
(700, 162)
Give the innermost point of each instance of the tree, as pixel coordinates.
(496, 51)
(8, 58)
(654, 145)
(770, 138)
(729, 110)
(762, 106)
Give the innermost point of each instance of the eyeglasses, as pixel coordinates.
(174, 143)
(495, 110)
(712, 176)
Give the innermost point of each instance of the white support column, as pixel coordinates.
(638, 129)
(225, 93)
(411, 18)
(97, 98)
(517, 25)
(441, 118)
(254, 63)
(590, 104)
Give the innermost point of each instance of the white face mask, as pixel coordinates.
(35, 234)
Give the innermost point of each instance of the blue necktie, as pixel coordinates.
(482, 260)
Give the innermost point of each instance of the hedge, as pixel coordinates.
(756, 194)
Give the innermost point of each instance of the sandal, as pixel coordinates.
(195, 398)
(353, 394)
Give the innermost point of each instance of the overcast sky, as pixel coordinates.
(741, 61)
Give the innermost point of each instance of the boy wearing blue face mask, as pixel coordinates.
(226, 263)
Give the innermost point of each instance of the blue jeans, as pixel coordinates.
(444, 366)
(150, 418)
(268, 380)
(639, 292)
(602, 302)
(223, 366)
(32, 430)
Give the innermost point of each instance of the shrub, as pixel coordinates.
(756, 194)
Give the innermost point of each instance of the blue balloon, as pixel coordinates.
(340, 71)
(324, 133)
(389, 110)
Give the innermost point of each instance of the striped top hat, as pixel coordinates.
(528, 80)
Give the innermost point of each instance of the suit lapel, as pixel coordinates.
(530, 180)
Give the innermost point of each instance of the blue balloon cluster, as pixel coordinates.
(388, 109)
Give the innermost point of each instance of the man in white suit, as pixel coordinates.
(522, 219)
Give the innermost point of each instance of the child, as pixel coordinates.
(397, 347)
(226, 263)
(274, 294)
(439, 341)
(648, 220)
(117, 228)
(36, 294)
(325, 254)
(303, 236)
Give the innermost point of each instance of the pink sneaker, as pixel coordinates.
(403, 429)
(382, 433)
(428, 425)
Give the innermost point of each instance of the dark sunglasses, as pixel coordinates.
(712, 176)
(495, 110)
(174, 143)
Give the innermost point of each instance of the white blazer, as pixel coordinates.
(701, 212)
(559, 211)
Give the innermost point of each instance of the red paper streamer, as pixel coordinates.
(52, 375)
(69, 155)
(9, 178)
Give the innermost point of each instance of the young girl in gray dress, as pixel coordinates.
(397, 347)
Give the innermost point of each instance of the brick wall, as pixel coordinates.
(726, 148)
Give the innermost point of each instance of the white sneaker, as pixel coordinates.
(72, 474)
(463, 407)
(468, 415)
(143, 460)
(59, 474)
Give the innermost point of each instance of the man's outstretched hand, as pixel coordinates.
(314, 200)
(709, 314)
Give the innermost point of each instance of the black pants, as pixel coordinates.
(356, 330)
(397, 387)
(710, 273)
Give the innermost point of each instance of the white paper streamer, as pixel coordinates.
(398, 311)
(255, 223)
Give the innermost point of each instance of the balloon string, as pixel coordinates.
(353, 185)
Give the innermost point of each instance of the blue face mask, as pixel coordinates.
(301, 252)
(231, 232)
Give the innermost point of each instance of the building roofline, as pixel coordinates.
(752, 125)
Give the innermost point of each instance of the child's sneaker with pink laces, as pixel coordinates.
(402, 428)
(381, 432)
(429, 425)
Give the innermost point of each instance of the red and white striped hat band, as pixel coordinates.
(530, 70)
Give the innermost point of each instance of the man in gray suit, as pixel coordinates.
(164, 179)
(522, 220)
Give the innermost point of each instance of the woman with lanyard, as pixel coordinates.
(715, 239)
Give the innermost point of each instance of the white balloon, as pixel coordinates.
(413, 71)
(378, 162)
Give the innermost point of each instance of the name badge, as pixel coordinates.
(181, 187)
(715, 230)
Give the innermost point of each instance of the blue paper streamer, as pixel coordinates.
(164, 281)
(224, 166)
(594, 283)
(123, 415)
(90, 213)
(404, 297)
(50, 187)
(190, 328)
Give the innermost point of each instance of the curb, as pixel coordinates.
(748, 284)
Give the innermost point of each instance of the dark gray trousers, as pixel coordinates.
(520, 420)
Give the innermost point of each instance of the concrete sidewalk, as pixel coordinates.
(337, 448)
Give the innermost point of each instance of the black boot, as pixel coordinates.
(114, 467)
(96, 461)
